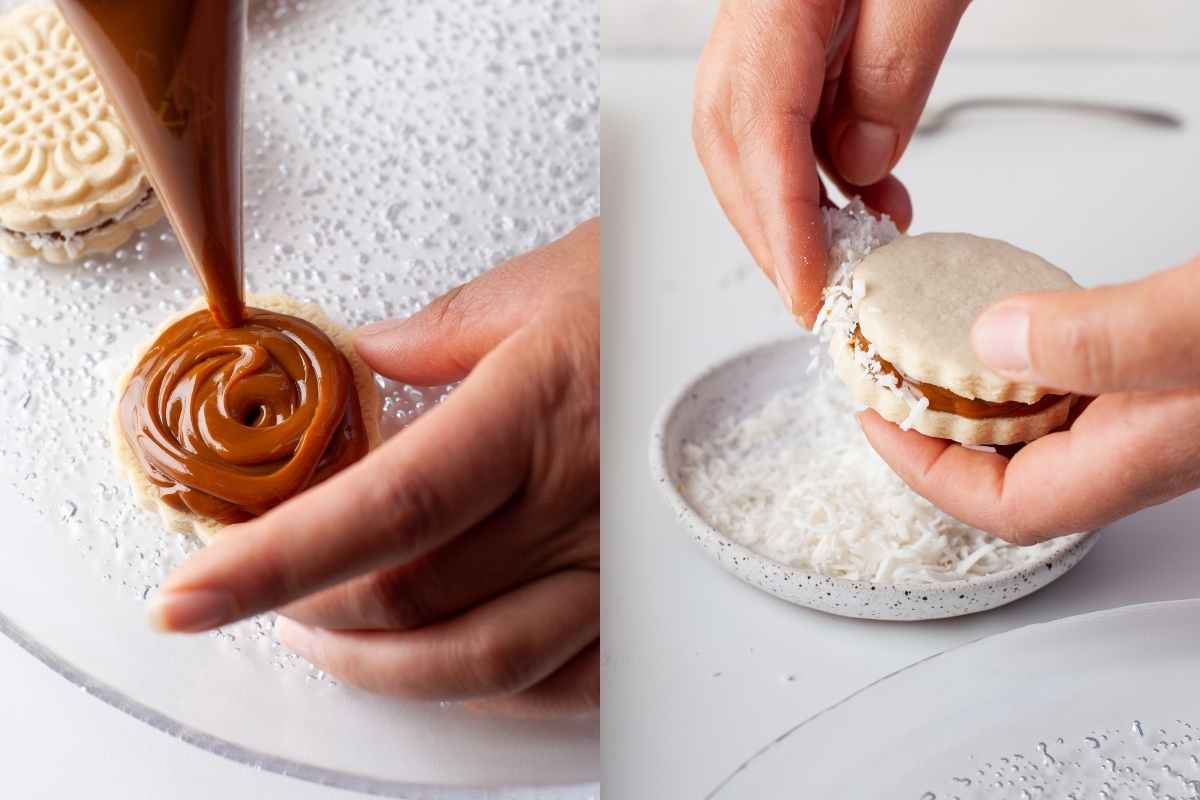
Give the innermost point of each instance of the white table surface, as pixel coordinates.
(1012, 26)
(59, 742)
(696, 662)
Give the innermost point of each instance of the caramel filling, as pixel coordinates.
(944, 400)
(230, 422)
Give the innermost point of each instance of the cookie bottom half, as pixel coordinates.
(104, 237)
(942, 425)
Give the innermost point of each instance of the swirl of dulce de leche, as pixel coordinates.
(230, 422)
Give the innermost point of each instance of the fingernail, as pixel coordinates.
(785, 291)
(191, 611)
(300, 639)
(378, 328)
(1001, 338)
(865, 152)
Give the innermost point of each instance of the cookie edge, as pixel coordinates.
(941, 424)
(101, 242)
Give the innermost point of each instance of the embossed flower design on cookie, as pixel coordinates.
(70, 179)
(49, 89)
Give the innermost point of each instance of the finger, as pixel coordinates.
(503, 647)
(448, 471)
(1139, 336)
(781, 181)
(888, 196)
(1077, 408)
(714, 144)
(921, 461)
(478, 566)
(573, 691)
(897, 50)
(775, 96)
(839, 41)
(444, 341)
(1125, 453)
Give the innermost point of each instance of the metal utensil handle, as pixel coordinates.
(1139, 114)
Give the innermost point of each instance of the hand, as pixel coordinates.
(460, 560)
(1137, 444)
(785, 85)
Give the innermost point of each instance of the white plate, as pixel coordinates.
(1040, 709)
(392, 151)
(744, 382)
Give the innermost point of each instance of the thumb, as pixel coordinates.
(1140, 336)
(444, 341)
(439, 344)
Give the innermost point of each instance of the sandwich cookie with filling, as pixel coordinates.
(71, 183)
(906, 351)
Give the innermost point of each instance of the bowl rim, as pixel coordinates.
(661, 474)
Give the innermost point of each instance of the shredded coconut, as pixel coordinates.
(795, 480)
(72, 241)
(852, 233)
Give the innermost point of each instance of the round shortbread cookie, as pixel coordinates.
(922, 294)
(70, 179)
(940, 424)
(146, 493)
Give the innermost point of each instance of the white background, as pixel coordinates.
(697, 663)
(1155, 26)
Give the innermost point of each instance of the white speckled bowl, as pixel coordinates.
(745, 381)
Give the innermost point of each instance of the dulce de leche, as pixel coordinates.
(232, 410)
(230, 422)
(941, 399)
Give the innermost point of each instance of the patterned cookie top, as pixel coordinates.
(66, 161)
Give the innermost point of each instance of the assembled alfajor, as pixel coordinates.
(907, 354)
(70, 180)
